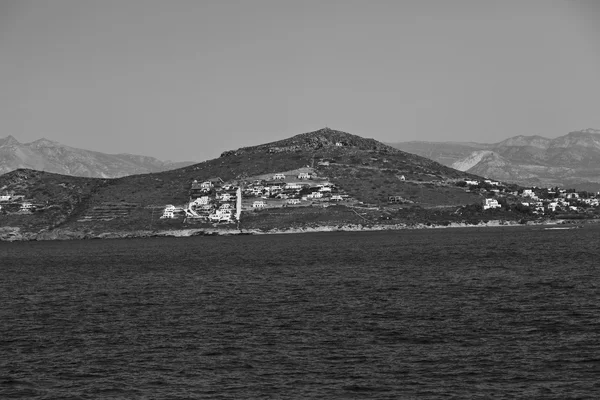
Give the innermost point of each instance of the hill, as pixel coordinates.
(321, 177)
(572, 160)
(49, 156)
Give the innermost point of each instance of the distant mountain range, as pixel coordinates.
(46, 155)
(572, 160)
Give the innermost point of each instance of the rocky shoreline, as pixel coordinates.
(12, 234)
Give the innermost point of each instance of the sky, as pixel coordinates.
(189, 79)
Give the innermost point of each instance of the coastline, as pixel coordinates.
(12, 234)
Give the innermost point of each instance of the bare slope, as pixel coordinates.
(49, 156)
(572, 160)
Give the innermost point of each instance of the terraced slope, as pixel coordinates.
(366, 169)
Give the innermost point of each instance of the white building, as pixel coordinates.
(279, 176)
(226, 197)
(491, 203)
(293, 201)
(5, 197)
(259, 204)
(303, 175)
(293, 186)
(200, 201)
(169, 211)
(336, 197)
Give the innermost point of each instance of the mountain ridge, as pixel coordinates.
(51, 156)
(569, 160)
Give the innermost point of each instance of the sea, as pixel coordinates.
(465, 313)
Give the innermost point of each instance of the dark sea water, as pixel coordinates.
(455, 313)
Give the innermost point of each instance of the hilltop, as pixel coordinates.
(50, 156)
(325, 177)
(572, 160)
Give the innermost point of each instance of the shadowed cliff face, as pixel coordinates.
(569, 160)
(46, 155)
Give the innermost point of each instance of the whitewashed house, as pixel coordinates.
(529, 193)
(293, 201)
(491, 203)
(339, 144)
(293, 186)
(259, 204)
(168, 212)
(336, 197)
(226, 197)
(279, 176)
(5, 197)
(200, 201)
(303, 175)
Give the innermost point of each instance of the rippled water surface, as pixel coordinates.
(456, 313)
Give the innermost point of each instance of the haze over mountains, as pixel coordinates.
(572, 160)
(46, 155)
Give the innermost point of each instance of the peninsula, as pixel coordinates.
(321, 180)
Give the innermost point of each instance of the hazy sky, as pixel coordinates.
(186, 80)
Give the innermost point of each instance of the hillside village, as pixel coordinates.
(216, 201)
(320, 177)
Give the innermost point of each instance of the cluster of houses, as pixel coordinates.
(212, 200)
(217, 201)
(537, 200)
(559, 200)
(15, 202)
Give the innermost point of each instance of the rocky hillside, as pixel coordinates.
(572, 160)
(49, 156)
(364, 170)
